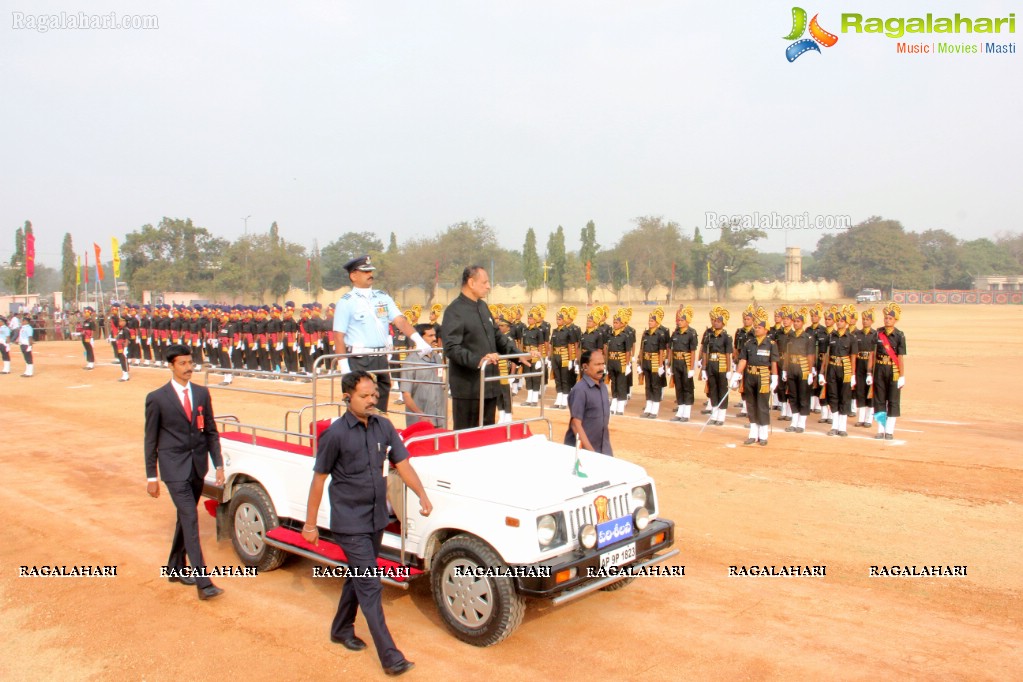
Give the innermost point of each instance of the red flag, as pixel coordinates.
(30, 255)
(99, 266)
(86, 271)
(587, 271)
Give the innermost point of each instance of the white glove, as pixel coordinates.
(639, 369)
(91, 342)
(703, 375)
(660, 370)
(870, 380)
(824, 379)
(345, 369)
(733, 366)
(852, 381)
(728, 377)
(689, 374)
(784, 375)
(539, 363)
(577, 368)
(548, 361)
(809, 378)
(213, 343)
(628, 368)
(294, 347)
(774, 382)
(899, 384)
(320, 344)
(28, 349)
(735, 382)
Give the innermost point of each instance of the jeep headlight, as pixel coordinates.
(546, 530)
(588, 536)
(641, 518)
(639, 495)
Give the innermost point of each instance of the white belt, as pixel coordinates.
(367, 349)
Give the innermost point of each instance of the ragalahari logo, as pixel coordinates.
(817, 35)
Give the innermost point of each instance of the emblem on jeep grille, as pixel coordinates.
(601, 504)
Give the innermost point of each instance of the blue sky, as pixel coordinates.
(409, 116)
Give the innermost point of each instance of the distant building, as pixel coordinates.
(793, 264)
(998, 283)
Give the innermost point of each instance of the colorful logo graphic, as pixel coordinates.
(817, 35)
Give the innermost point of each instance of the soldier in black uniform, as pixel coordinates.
(89, 331)
(146, 335)
(291, 333)
(684, 349)
(533, 340)
(133, 352)
(545, 327)
(757, 372)
(782, 339)
(161, 336)
(841, 377)
(274, 338)
(591, 338)
(799, 360)
(653, 347)
(889, 376)
(122, 338)
(708, 406)
(619, 359)
(717, 359)
(742, 335)
(563, 344)
(866, 342)
(234, 330)
(822, 371)
(821, 337)
(113, 327)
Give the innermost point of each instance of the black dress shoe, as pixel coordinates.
(706, 411)
(750, 441)
(790, 429)
(879, 436)
(843, 434)
(763, 442)
(889, 436)
(352, 643)
(676, 418)
(833, 432)
(183, 579)
(684, 419)
(800, 429)
(209, 592)
(828, 420)
(398, 668)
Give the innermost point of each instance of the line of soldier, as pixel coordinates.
(269, 338)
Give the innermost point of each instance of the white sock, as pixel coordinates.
(687, 410)
(854, 406)
(28, 370)
(764, 431)
(7, 365)
(614, 405)
(815, 404)
(646, 408)
(654, 407)
(753, 431)
(722, 413)
(889, 427)
(869, 415)
(825, 411)
(679, 412)
(802, 422)
(742, 406)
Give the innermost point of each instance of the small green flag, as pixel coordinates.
(577, 469)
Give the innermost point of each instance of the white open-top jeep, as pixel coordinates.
(516, 514)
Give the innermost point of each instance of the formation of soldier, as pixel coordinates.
(831, 361)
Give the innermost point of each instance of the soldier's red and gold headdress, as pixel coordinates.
(760, 316)
(892, 308)
(657, 314)
(719, 313)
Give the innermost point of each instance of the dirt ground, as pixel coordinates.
(948, 491)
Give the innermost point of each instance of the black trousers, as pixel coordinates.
(90, 354)
(654, 382)
(26, 353)
(290, 363)
(185, 495)
(887, 394)
(562, 375)
(861, 390)
(839, 390)
(758, 404)
(799, 391)
(362, 551)
(5, 354)
(717, 387)
(466, 412)
(374, 364)
(619, 385)
(685, 388)
(147, 350)
(504, 402)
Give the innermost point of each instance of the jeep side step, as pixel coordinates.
(330, 553)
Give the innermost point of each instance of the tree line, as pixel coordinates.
(177, 255)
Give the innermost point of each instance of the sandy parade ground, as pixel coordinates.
(947, 492)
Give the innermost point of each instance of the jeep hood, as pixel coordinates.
(531, 474)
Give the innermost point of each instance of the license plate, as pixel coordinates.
(618, 557)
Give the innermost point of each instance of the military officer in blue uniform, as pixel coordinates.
(360, 325)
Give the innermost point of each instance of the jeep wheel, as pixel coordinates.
(480, 610)
(617, 585)
(251, 515)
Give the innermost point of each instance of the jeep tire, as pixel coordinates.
(251, 514)
(479, 610)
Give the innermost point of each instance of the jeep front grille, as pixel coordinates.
(618, 506)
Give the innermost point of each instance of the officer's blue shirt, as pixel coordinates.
(353, 455)
(588, 402)
(362, 315)
(25, 334)
(5, 333)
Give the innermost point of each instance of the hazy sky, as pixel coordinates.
(410, 116)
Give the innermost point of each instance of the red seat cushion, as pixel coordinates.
(466, 439)
(328, 550)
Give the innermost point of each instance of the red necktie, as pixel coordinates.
(188, 406)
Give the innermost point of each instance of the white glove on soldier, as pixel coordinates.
(901, 382)
(774, 382)
(870, 380)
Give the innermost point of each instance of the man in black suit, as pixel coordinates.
(181, 435)
(470, 337)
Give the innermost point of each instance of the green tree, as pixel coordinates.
(176, 255)
(68, 269)
(346, 247)
(16, 272)
(532, 269)
(650, 249)
(876, 254)
(556, 260)
(315, 271)
(732, 257)
(588, 254)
